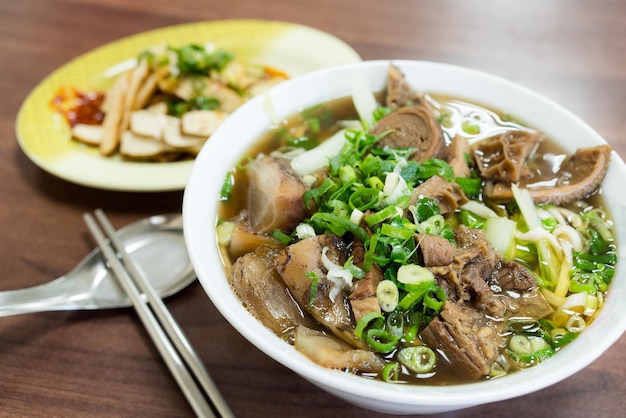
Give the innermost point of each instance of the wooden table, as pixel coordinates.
(77, 364)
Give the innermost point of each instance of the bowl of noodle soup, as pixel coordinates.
(237, 136)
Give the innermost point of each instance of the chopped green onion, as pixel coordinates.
(364, 198)
(347, 174)
(375, 183)
(418, 359)
(313, 288)
(470, 128)
(520, 344)
(434, 299)
(424, 209)
(282, 237)
(380, 340)
(410, 334)
(390, 372)
(227, 187)
(415, 274)
(396, 232)
(471, 185)
(387, 295)
(374, 319)
(225, 232)
(432, 226)
(575, 324)
(383, 215)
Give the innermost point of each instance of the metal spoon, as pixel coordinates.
(155, 243)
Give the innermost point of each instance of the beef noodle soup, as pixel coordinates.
(419, 239)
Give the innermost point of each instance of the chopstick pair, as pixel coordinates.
(180, 357)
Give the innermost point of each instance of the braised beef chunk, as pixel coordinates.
(448, 195)
(521, 292)
(483, 292)
(412, 127)
(513, 276)
(363, 298)
(469, 342)
(435, 251)
(464, 279)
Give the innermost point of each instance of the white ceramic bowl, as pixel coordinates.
(245, 126)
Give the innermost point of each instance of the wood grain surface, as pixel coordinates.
(90, 364)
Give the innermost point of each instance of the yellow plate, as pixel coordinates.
(45, 136)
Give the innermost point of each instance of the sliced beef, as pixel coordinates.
(578, 178)
(329, 304)
(275, 195)
(328, 351)
(466, 338)
(435, 251)
(448, 195)
(363, 298)
(472, 258)
(412, 127)
(465, 279)
(520, 291)
(244, 240)
(258, 286)
(513, 276)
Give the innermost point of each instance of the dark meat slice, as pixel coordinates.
(458, 154)
(260, 289)
(521, 293)
(412, 127)
(363, 298)
(399, 92)
(448, 195)
(297, 262)
(244, 240)
(435, 251)
(275, 195)
(513, 276)
(579, 177)
(465, 337)
(502, 157)
(483, 293)
(465, 279)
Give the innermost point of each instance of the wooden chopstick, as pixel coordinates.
(180, 357)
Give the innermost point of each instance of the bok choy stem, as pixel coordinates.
(548, 263)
